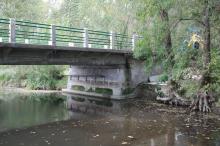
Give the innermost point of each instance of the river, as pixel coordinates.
(33, 119)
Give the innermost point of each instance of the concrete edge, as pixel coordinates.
(74, 92)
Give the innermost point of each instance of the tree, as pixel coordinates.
(176, 17)
(25, 9)
(155, 16)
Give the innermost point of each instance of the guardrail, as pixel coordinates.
(26, 32)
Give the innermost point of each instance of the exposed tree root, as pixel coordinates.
(202, 103)
(173, 99)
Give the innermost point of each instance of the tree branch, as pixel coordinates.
(186, 19)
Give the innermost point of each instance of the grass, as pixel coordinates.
(78, 88)
(105, 91)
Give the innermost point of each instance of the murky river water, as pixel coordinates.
(61, 120)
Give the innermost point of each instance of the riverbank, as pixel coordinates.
(24, 90)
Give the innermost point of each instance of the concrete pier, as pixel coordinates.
(113, 82)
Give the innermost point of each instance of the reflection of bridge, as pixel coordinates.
(90, 53)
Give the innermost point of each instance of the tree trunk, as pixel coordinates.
(203, 101)
(167, 38)
(207, 34)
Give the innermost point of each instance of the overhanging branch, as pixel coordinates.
(186, 19)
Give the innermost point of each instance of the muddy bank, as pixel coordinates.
(149, 92)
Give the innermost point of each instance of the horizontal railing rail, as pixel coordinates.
(27, 32)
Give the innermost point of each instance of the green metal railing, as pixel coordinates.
(26, 32)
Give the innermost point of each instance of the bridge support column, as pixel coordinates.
(113, 82)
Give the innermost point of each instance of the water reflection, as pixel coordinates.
(91, 121)
(23, 110)
(92, 106)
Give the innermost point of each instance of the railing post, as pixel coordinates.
(112, 40)
(53, 35)
(85, 38)
(134, 40)
(12, 31)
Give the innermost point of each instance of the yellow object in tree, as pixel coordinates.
(196, 42)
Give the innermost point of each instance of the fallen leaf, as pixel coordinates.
(33, 132)
(97, 135)
(124, 142)
(131, 137)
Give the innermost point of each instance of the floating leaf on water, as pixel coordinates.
(113, 137)
(207, 138)
(131, 137)
(97, 135)
(33, 132)
(124, 142)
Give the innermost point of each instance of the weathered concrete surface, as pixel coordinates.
(26, 54)
(122, 80)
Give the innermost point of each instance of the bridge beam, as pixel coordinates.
(27, 54)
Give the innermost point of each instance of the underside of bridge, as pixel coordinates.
(27, 54)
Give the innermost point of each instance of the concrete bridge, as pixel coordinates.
(101, 63)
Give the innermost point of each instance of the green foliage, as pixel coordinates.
(78, 88)
(164, 77)
(188, 88)
(33, 77)
(215, 71)
(45, 77)
(25, 9)
(47, 98)
(105, 91)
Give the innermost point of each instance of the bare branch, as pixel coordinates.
(186, 19)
